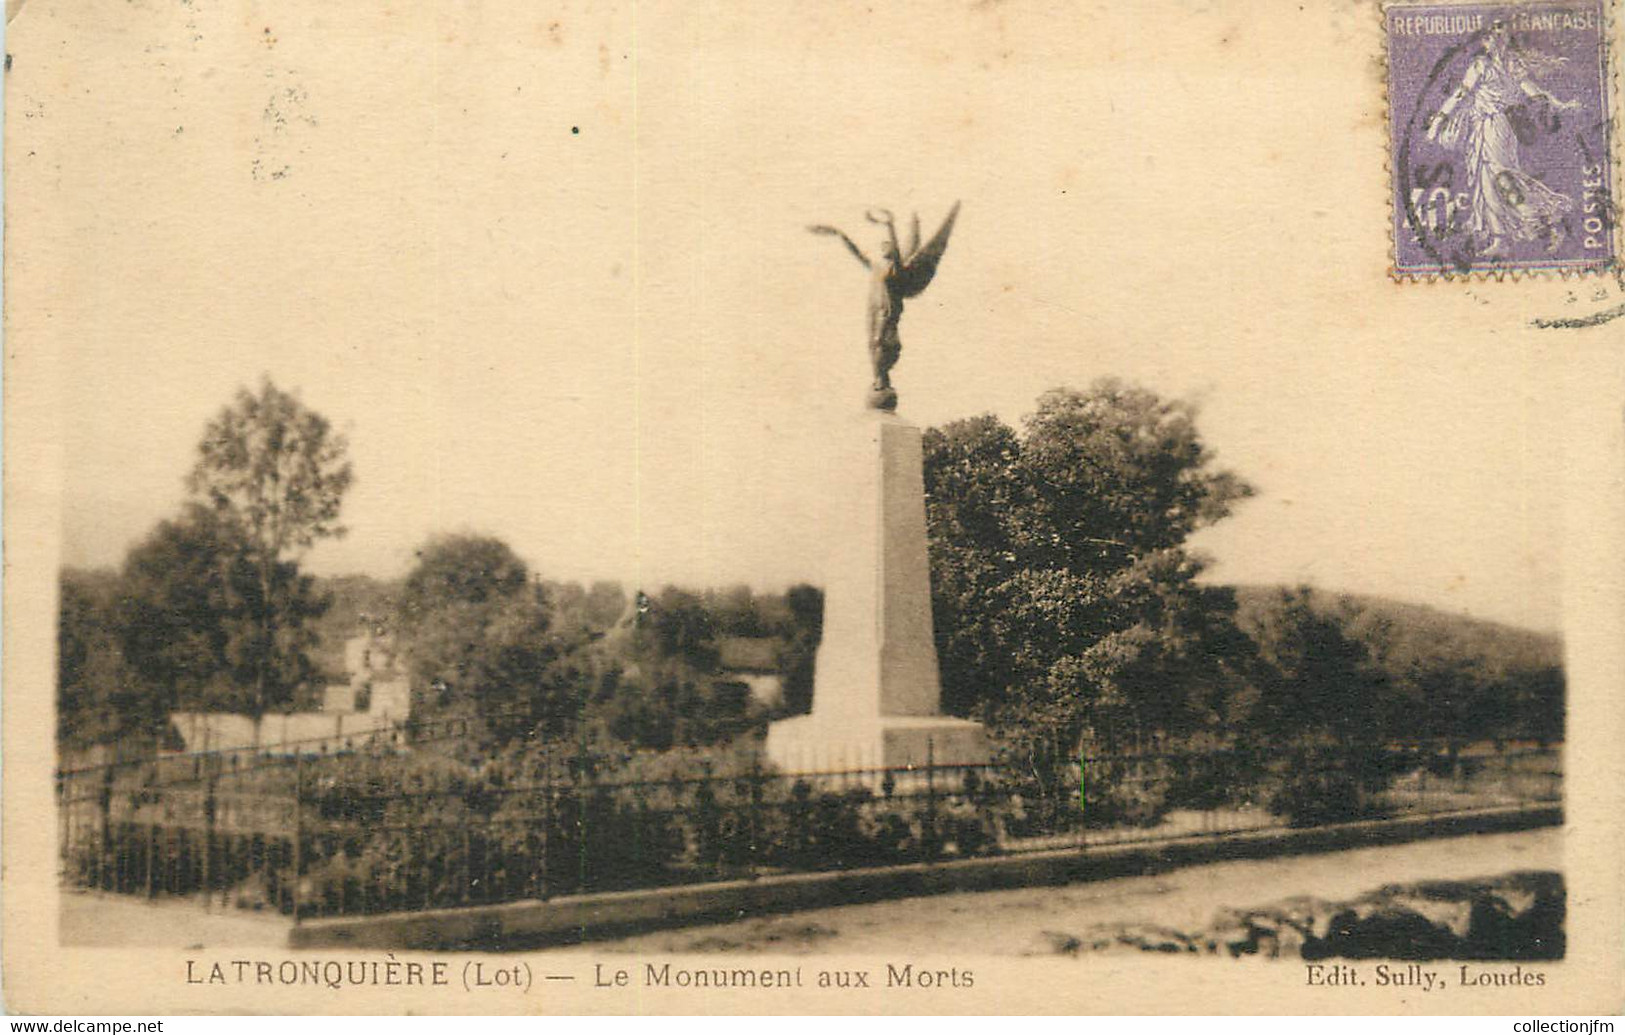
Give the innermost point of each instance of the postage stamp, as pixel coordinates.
(1500, 138)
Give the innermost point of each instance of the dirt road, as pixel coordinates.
(1030, 921)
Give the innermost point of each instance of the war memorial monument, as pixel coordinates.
(876, 689)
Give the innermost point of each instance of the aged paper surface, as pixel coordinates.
(546, 266)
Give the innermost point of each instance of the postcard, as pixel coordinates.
(952, 508)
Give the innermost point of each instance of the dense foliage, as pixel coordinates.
(1069, 614)
(550, 660)
(577, 738)
(210, 611)
(475, 632)
(1066, 607)
(272, 473)
(1364, 669)
(191, 619)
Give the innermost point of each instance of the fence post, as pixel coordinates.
(235, 850)
(547, 816)
(298, 828)
(418, 839)
(755, 816)
(208, 832)
(468, 855)
(152, 860)
(1056, 783)
(708, 820)
(1083, 798)
(105, 841)
(64, 815)
(582, 780)
(931, 844)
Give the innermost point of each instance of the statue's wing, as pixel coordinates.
(922, 265)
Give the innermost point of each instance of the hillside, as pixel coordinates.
(1417, 628)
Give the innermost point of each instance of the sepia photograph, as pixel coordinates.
(926, 508)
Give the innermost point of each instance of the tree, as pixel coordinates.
(275, 473)
(681, 626)
(735, 611)
(478, 640)
(178, 627)
(189, 619)
(1378, 670)
(1065, 604)
(805, 627)
(669, 690)
(1537, 705)
(604, 605)
(585, 611)
(461, 569)
(1319, 681)
(96, 697)
(1112, 473)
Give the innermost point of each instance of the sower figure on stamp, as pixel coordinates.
(895, 278)
(1477, 119)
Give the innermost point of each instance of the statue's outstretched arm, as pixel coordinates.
(883, 217)
(853, 248)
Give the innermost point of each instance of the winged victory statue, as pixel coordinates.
(895, 275)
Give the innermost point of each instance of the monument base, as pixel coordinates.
(813, 744)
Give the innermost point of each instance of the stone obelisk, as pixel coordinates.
(876, 689)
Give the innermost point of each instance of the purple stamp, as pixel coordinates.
(1499, 124)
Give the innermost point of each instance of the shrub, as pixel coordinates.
(1126, 791)
(1215, 779)
(1335, 785)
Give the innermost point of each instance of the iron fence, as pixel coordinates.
(369, 829)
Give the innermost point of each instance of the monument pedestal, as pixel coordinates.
(806, 744)
(876, 689)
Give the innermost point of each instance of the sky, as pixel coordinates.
(549, 274)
